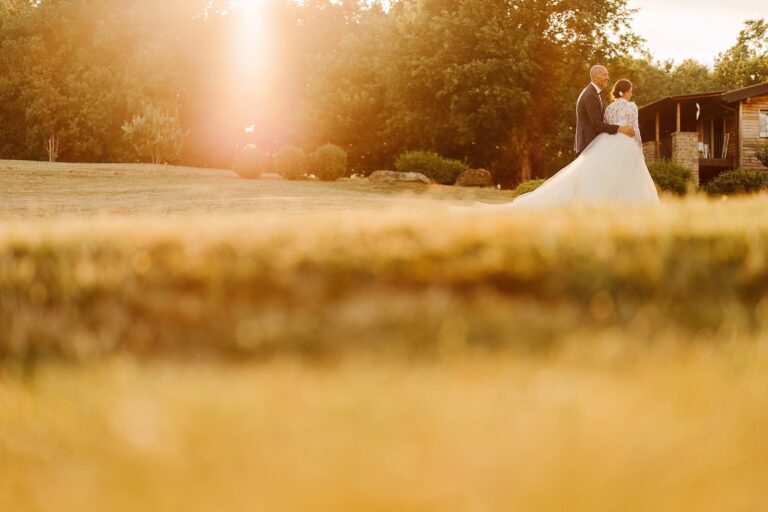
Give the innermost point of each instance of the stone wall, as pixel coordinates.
(650, 151)
(685, 151)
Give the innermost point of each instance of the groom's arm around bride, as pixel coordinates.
(589, 112)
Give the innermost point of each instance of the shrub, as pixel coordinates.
(441, 170)
(670, 176)
(739, 181)
(527, 186)
(761, 152)
(155, 135)
(291, 163)
(250, 163)
(329, 162)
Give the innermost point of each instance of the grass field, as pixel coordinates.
(180, 339)
(37, 189)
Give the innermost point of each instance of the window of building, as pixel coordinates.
(764, 123)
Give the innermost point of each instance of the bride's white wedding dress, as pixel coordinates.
(610, 170)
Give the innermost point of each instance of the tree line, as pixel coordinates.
(488, 82)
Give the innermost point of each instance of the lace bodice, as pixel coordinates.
(623, 112)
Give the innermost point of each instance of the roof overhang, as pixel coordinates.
(746, 92)
(706, 98)
(657, 105)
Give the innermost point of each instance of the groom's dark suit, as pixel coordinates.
(589, 119)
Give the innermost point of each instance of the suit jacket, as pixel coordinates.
(589, 119)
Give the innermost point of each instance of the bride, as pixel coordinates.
(611, 169)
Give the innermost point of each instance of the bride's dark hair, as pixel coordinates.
(621, 87)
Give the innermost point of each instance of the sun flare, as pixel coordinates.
(252, 41)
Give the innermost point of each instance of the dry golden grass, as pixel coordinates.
(307, 346)
(41, 189)
(405, 280)
(612, 427)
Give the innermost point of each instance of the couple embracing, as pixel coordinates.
(609, 165)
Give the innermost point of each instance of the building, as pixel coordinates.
(707, 132)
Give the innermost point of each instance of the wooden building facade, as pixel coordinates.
(708, 132)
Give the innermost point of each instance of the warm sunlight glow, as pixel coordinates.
(252, 46)
(255, 70)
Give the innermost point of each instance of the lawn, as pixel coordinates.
(41, 189)
(178, 338)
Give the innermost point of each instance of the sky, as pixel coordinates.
(698, 29)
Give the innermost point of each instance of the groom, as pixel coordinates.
(590, 111)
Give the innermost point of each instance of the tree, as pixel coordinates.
(52, 147)
(79, 68)
(746, 62)
(481, 81)
(346, 95)
(655, 80)
(155, 135)
(691, 76)
(488, 82)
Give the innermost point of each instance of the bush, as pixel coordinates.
(527, 186)
(670, 176)
(291, 163)
(439, 169)
(739, 181)
(250, 163)
(761, 152)
(155, 135)
(329, 162)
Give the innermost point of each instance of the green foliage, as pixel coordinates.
(250, 162)
(439, 169)
(328, 162)
(460, 78)
(346, 94)
(655, 80)
(746, 62)
(455, 78)
(738, 181)
(527, 186)
(690, 76)
(291, 163)
(761, 153)
(80, 69)
(670, 176)
(155, 135)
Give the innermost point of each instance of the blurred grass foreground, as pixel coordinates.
(399, 280)
(305, 346)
